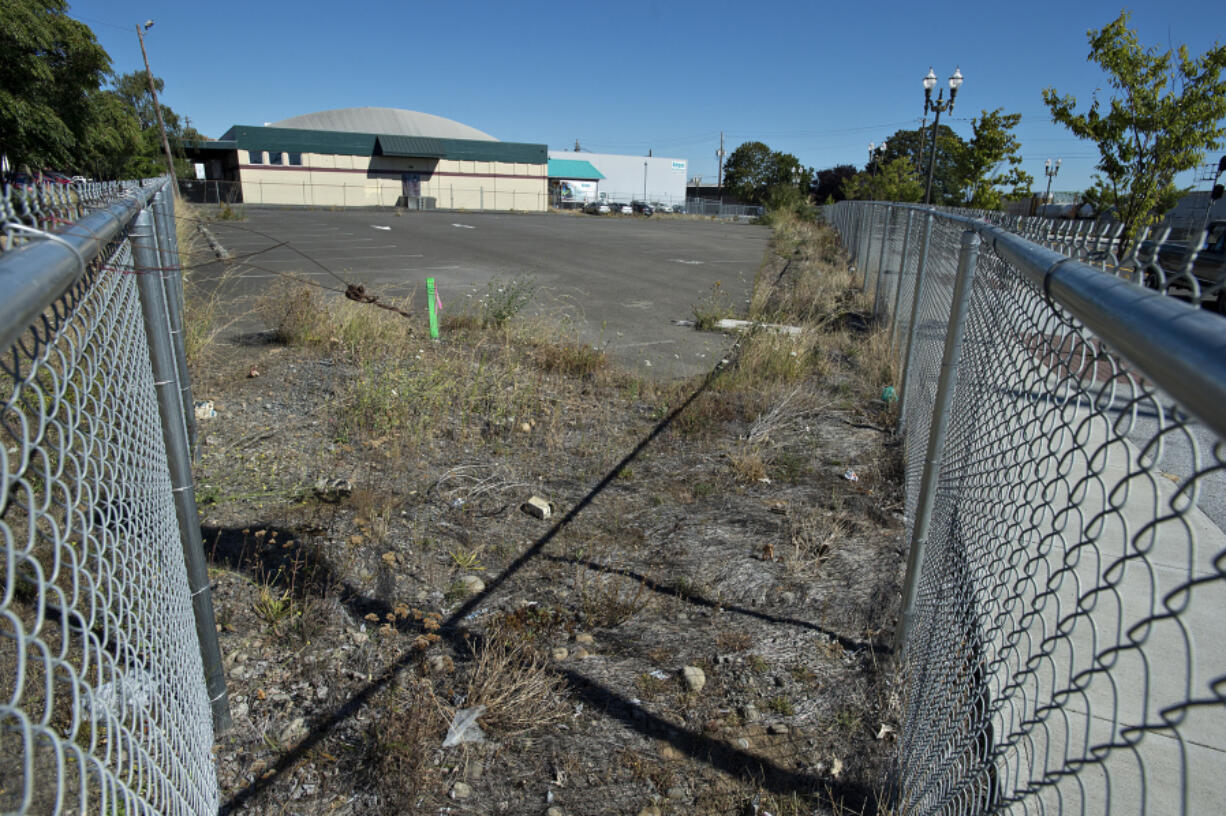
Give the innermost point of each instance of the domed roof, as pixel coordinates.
(389, 121)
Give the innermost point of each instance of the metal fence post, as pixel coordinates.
(869, 210)
(921, 267)
(853, 235)
(178, 458)
(967, 259)
(172, 284)
(902, 268)
(885, 242)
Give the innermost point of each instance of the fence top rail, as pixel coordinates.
(36, 274)
(1180, 348)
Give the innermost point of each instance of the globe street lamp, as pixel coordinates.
(1052, 170)
(875, 154)
(939, 106)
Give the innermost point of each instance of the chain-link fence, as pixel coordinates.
(1063, 429)
(110, 683)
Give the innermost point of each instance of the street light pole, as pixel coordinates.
(157, 106)
(875, 153)
(1051, 171)
(930, 81)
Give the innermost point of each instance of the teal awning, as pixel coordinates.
(574, 169)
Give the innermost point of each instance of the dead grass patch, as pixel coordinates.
(516, 685)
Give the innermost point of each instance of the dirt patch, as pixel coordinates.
(701, 626)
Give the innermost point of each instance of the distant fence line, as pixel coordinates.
(1063, 427)
(111, 682)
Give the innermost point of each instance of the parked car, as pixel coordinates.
(596, 208)
(624, 209)
(1209, 267)
(679, 209)
(642, 207)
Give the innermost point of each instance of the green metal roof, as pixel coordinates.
(256, 137)
(411, 146)
(210, 144)
(573, 169)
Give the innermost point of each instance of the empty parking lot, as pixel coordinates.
(623, 280)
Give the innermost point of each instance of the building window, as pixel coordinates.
(295, 159)
(274, 157)
(256, 156)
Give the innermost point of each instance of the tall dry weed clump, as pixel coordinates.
(203, 315)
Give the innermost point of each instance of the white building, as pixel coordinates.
(635, 178)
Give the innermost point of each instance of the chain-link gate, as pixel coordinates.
(104, 607)
(1066, 499)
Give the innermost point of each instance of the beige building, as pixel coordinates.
(371, 157)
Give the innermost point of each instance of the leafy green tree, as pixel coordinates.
(894, 180)
(753, 170)
(1168, 111)
(949, 176)
(827, 186)
(50, 73)
(132, 90)
(992, 160)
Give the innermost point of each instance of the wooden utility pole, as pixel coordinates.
(157, 108)
(719, 176)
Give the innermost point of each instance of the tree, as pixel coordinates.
(948, 179)
(754, 169)
(894, 180)
(132, 90)
(992, 160)
(49, 80)
(828, 184)
(1167, 113)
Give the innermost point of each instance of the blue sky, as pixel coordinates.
(816, 79)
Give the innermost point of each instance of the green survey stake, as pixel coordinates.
(432, 300)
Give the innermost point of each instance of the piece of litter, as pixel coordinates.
(464, 727)
(660, 674)
(764, 479)
(205, 410)
(380, 227)
(885, 731)
(457, 502)
(130, 693)
(851, 476)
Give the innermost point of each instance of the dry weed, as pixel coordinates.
(747, 464)
(607, 599)
(514, 682)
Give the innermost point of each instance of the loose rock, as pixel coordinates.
(461, 790)
(560, 653)
(293, 731)
(472, 584)
(777, 728)
(584, 638)
(695, 678)
(537, 507)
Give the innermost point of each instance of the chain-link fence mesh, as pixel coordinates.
(103, 704)
(1064, 653)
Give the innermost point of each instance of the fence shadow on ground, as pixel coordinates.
(743, 764)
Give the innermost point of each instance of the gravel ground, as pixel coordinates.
(699, 626)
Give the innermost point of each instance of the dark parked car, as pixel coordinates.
(1209, 267)
(642, 207)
